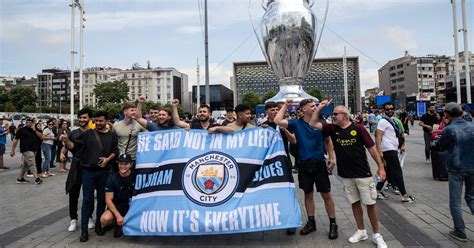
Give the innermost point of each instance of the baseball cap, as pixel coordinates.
(124, 158)
(452, 107)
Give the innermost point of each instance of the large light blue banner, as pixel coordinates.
(197, 183)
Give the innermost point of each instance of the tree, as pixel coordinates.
(251, 99)
(4, 98)
(29, 109)
(9, 107)
(114, 109)
(111, 92)
(22, 97)
(316, 93)
(269, 94)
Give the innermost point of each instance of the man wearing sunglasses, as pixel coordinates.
(350, 141)
(389, 139)
(313, 169)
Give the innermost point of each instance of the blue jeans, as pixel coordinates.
(46, 148)
(456, 181)
(92, 180)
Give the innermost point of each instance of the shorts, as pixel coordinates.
(2, 149)
(313, 172)
(29, 161)
(360, 189)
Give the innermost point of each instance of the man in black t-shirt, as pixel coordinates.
(427, 121)
(119, 190)
(29, 138)
(99, 149)
(203, 121)
(74, 178)
(350, 141)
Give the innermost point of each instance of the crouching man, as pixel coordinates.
(118, 192)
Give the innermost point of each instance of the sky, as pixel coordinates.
(35, 35)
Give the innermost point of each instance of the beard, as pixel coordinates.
(204, 119)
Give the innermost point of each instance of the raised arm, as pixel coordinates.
(138, 115)
(280, 117)
(176, 119)
(314, 121)
(291, 136)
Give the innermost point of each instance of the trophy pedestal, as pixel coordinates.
(293, 92)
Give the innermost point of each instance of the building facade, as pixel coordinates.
(221, 97)
(53, 88)
(410, 78)
(325, 74)
(159, 85)
(369, 98)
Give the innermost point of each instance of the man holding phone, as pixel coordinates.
(98, 150)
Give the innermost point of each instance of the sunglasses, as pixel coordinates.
(389, 109)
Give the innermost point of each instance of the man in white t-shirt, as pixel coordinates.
(387, 142)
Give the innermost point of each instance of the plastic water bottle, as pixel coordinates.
(377, 179)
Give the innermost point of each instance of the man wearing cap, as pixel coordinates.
(458, 139)
(119, 189)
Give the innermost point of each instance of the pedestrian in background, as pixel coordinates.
(29, 139)
(427, 121)
(3, 141)
(64, 129)
(458, 139)
(46, 147)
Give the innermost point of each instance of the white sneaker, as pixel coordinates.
(91, 224)
(72, 226)
(358, 236)
(378, 239)
(428, 161)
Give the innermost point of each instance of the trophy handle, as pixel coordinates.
(311, 2)
(259, 38)
(264, 4)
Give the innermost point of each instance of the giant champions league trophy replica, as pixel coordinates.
(289, 42)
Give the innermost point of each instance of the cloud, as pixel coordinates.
(190, 29)
(217, 75)
(368, 78)
(402, 38)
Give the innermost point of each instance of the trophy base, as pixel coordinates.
(293, 92)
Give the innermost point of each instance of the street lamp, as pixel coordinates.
(73, 5)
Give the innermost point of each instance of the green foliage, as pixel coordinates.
(316, 93)
(111, 92)
(9, 107)
(22, 96)
(29, 109)
(147, 105)
(269, 94)
(4, 98)
(251, 99)
(114, 109)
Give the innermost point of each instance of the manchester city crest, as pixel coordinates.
(210, 179)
